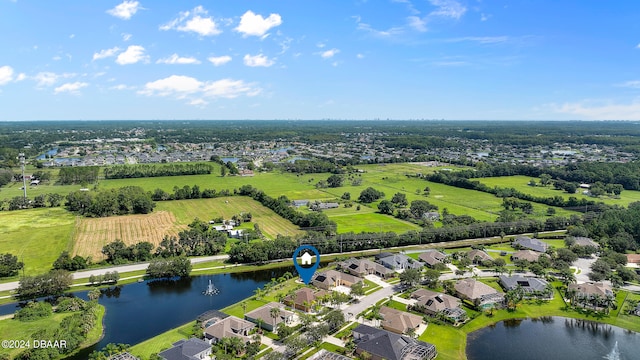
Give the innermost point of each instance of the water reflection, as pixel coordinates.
(552, 338)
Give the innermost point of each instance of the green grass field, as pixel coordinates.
(366, 219)
(520, 183)
(270, 223)
(36, 236)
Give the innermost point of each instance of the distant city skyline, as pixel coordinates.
(331, 59)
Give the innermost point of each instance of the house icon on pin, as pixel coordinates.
(306, 259)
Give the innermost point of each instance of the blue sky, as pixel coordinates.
(338, 59)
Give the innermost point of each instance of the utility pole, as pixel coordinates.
(24, 180)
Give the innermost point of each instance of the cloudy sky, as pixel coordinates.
(338, 59)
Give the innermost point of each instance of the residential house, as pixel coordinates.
(532, 287)
(329, 279)
(327, 355)
(434, 303)
(432, 257)
(526, 242)
(235, 234)
(481, 295)
(123, 356)
(230, 326)
(587, 293)
(397, 321)
(210, 317)
(303, 299)
(363, 267)
(323, 206)
(633, 258)
(298, 203)
(636, 311)
(528, 255)
(400, 262)
(192, 349)
(431, 215)
(382, 344)
(264, 314)
(478, 256)
(585, 241)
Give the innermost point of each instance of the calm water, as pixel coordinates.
(142, 310)
(553, 338)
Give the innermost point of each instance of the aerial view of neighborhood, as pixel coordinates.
(418, 180)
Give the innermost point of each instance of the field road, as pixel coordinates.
(120, 269)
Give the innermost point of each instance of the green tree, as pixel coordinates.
(410, 277)
(385, 207)
(9, 265)
(400, 199)
(357, 289)
(370, 195)
(335, 181)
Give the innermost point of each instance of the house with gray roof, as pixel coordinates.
(383, 344)
(531, 286)
(432, 257)
(585, 241)
(434, 303)
(400, 262)
(364, 267)
(636, 311)
(478, 256)
(481, 295)
(526, 242)
(192, 349)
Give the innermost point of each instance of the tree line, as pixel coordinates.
(78, 175)
(152, 170)
(125, 200)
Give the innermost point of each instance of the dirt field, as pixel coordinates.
(92, 234)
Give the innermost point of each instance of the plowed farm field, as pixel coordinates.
(93, 234)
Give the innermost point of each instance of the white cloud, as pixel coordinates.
(635, 84)
(56, 58)
(448, 8)
(188, 87)
(70, 87)
(175, 59)
(192, 21)
(47, 78)
(329, 53)
(257, 60)
(638, 46)
(360, 56)
(393, 31)
(121, 87)
(229, 88)
(219, 60)
(417, 23)
(255, 25)
(105, 53)
(21, 77)
(126, 37)
(125, 10)
(6, 74)
(72, 36)
(133, 54)
(484, 17)
(198, 102)
(601, 110)
(481, 39)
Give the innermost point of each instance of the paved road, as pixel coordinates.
(121, 269)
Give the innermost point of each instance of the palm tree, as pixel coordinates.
(259, 321)
(274, 312)
(244, 308)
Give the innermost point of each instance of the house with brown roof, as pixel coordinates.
(633, 258)
(400, 322)
(230, 326)
(481, 295)
(262, 315)
(364, 267)
(303, 299)
(478, 256)
(528, 255)
(434, 303)
(588, 291)
(432, 257)
(329, 279)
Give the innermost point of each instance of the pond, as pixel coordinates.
(139, 311)
(552, 338)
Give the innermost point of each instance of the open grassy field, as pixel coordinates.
(366, 219)
(36, 236)
(93, 233)
(271, 224)
(520, 183)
